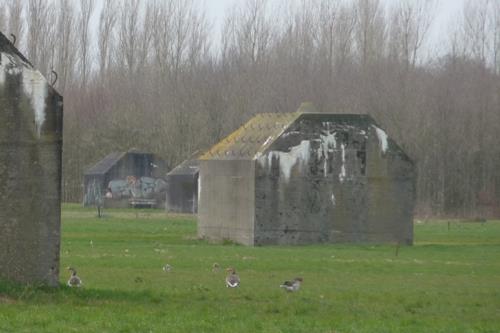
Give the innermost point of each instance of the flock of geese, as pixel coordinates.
(232, 279)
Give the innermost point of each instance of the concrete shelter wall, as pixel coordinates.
(30, 166)
(391, 193)
(226, 200)
(334, 181)
(182, 193)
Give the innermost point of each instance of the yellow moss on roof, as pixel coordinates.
(251, 138)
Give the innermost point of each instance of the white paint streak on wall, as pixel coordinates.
(287, 161)
(199, 189)
(382, 139)
(286, 134)
(2, 69)
(34, 84)
(328, 144)
(261, 160)
(35, 87)
(258, 156)
(342, 174)
(8, 65)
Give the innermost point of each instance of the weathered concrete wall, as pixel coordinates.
(226, 200)
(30, 166)
(391, 191)
(182, 193)
(333, 181)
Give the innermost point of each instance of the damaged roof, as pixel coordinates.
(256, 136)
(253, 137)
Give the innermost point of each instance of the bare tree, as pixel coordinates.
(249, 28)
(65, 44)
(162, 35)
(107, 21)
(86, 10)
(371, 30)
(146, 35)
(181, 25)
(40, 33)
(199, 41)
(16, 24)
(476, 28)
(128, 36)
(495, 27)
(411, 21)
(328, 17)
(3, 15)
(344, 31)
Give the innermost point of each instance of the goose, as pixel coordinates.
(74, 280)
(167, 268)
(232, 280)
(293, 285)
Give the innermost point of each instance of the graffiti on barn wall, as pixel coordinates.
(135, 187)
(131, 187)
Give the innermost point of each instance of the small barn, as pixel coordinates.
(123, 179)
(306, 177)
(31, 126)
(182, 188)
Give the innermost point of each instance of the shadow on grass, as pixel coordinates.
(12, 293)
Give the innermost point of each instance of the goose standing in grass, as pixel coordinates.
(167, 268)
(74, 280)
(232, 280)
(293, 285)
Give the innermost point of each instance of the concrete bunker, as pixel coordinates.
(123, 179)
(31, 124)
(303, 178)
(182, 188)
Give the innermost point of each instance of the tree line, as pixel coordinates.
(159, 76)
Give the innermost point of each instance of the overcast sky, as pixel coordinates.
(446, 11)
(447, 8)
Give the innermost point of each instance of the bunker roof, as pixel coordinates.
(253, 137)
(258, 134)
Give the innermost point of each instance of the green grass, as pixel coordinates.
(449, 281)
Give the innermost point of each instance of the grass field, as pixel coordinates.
(449, 281)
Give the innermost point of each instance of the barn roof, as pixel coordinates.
(105, 164)
(253, 137)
